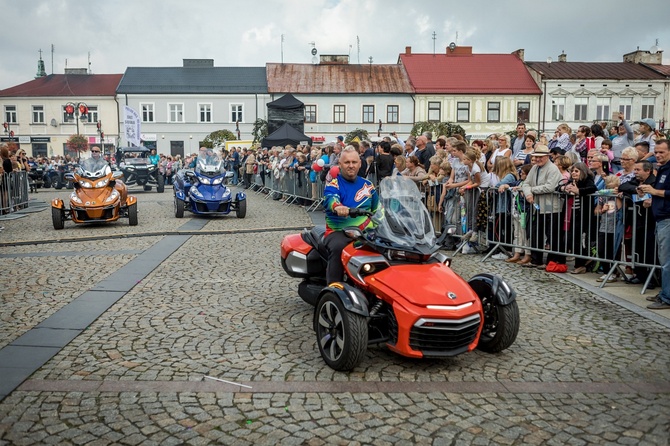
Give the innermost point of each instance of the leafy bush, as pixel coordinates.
(77, 143)
(362, 135)
(218, 138)
(437, 128)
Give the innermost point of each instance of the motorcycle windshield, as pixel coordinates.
(209, 162)
(94, 169)
(402, 218)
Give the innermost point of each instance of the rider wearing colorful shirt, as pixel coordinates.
(345, 191)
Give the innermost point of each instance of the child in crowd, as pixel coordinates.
(607, 210)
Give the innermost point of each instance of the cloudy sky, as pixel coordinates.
(123, 33)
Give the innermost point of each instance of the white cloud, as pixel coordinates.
(126, 33)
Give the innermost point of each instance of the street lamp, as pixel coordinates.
(8, 129)
(102, 136)
(77, 110)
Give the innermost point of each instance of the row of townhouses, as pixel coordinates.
(484, 93)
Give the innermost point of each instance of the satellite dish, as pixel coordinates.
(654, 49)
(549, 60)
(54, 123)
(314, 51)
(452, 46)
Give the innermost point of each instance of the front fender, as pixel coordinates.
(496, 285)
(57, 203)
(130, 200)
(352, 299)
(240, 196)
(180, 195)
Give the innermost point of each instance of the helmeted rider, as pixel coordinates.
(346, 190)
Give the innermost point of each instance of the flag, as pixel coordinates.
(131, 125)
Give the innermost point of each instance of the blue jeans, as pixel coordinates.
(663, 242)
(235, 175)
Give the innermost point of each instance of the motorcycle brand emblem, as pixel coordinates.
(451, 295)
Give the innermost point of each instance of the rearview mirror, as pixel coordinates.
(229, 174)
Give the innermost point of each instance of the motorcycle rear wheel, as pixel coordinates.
(342, 336)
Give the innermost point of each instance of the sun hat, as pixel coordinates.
(540, 150)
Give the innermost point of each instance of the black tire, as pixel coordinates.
(58, 184)
(58, 218)
(132, 214)
(178, 208)
(342, 336)
(501, 324)
(160, 183)
(241, 210)
(147, 188)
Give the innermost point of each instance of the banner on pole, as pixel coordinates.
(131, 125)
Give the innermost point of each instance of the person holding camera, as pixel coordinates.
(22, 160)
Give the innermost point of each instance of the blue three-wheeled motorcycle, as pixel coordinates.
(203, 190)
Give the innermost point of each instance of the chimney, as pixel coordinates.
(640, 56)
(198, 63)
(562, 57)
(520, 53)
(453, 50)
(408, 50)
(333, 59)
(76, 71)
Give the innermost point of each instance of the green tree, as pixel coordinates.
(260, 130)
(362, 135)
(437, 128)
(218, 138)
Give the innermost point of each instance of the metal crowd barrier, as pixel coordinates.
(13, 192)
(606, 229)
(290, 186)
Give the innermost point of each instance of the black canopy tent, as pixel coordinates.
(286, 109)
(286, 135)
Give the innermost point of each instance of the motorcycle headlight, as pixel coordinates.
(102, 183)
(85, 184)
(151, 167)
(205, 180)
(75, 198)
(113, 196)
(218, 181)
(196, 192)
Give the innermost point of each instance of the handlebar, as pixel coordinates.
(357, 212)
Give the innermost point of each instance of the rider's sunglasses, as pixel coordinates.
(95, 151)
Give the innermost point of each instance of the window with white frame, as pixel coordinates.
(463, 112)
(392, 114)
(205, 112)
(92, 113)
(434, 111)
(603, 109)
(522, 112)
(339, 113)
(38, 114)
(557, 109)
(368, 114)
(493, 112)
(310, 113)
(626, 107)
(176, 112)
(581, 108)
(236, 113)
(10, 114)
(147, 112)
(647, 108)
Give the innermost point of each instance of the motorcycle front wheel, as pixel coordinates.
(342, 336)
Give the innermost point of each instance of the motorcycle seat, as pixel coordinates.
(315, 237)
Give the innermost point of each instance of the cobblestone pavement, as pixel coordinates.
(582, 371)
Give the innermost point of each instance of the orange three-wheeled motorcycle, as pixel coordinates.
(399, 289)
(99, 196)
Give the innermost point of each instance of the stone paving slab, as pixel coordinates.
(584, 370)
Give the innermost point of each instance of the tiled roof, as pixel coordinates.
(469, 74)
(594, 70)
(66, 85)
(193, 80)
(337, 78)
